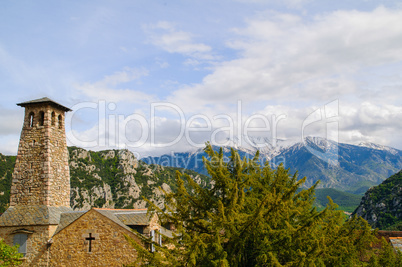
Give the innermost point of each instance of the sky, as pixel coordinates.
(162, 76)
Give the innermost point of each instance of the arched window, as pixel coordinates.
(41, 118)
(21, 239)
(60, 118)
(53, 119)
(31, 119)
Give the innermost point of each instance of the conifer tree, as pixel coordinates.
(254, 215)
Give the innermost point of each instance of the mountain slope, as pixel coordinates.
(346, 201)
(193, 160)
(381, 206)
(345, 167)
(358, 168)
(107, 179)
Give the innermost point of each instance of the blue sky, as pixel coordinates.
(168, 68)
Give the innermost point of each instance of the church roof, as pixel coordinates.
(32, 215)
(122, 217)
(43, 100)
(133, 217)
(66, 218)
(396, 242)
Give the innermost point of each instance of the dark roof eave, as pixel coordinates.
(42, 101)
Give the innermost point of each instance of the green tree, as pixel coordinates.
(254, 216)
(9, 256)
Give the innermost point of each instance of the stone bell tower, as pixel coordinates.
(41, 174)
(40, 190)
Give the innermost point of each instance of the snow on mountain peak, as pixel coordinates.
(378, 147)
(269, 147)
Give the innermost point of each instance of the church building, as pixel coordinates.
(40, 218)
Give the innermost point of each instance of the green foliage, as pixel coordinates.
(7, 164)
(346, 201)
(9, 256)
(387, 194)
(254, 216)
(384, 191)
(395, 227)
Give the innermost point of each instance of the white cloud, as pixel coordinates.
(106, 88)
(164, 35)
(286, 57)
(372, 122)
(287, 3)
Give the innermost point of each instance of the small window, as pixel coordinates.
(21, 239)
(31, 119)
(53, 118)
(60, 118)
(41, 118)
(153, 240)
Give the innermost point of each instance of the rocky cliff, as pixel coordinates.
(381, 206)
(107, 179)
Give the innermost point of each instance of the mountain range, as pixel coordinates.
(346, 167)
(116, 179)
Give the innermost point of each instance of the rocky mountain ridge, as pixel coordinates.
(107, 179)
(381, 206)
(346, 167)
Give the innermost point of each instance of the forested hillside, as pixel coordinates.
(346, 201)
(6, 170)
(381, 206)
(108, 179)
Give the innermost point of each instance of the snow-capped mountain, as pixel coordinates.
(378, 147)
(269, 147)
(350, 168)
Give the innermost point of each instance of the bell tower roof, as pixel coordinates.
(44, 100)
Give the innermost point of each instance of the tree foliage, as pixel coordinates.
(254, 216)
(9, 256)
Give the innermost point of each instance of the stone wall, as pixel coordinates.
(37, 249)
(109, 248)
(41, 174)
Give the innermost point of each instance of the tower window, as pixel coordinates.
(31, 119)
(41, 118)
(21, 239)
(60, 118)
(53, 119)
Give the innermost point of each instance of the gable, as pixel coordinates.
(93, 239)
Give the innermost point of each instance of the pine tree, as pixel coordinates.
(254, 215)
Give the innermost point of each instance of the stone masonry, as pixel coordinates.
(41, 175)
(71, 246)
(40, 189)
